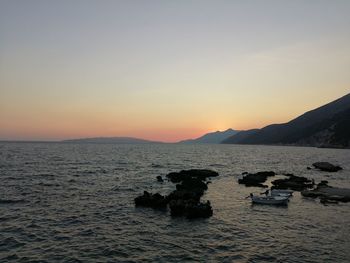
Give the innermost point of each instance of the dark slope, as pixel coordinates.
(213, 137)
(237, 138)
(325, 126)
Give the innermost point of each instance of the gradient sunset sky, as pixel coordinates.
(166, 70)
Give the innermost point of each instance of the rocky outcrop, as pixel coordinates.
(193, 185)
(293, 182)
(201, 174)
(328, 194)
(199, 210)
(160, 179)
(327, 167)
(185, 200)
(151, 200)
(190, 208)
(256, 179)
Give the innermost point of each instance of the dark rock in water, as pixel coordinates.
(201, 174)
(185, 200)
(184, 195)
(323, 183)
(192, 184)
(328, 194)
(151, 200)
(179, 207)
(189, 189)
(296, 183)
(309, 168)
(190, 208)
(326, 201)
(256, 179)
(200, 210)
(327, 167)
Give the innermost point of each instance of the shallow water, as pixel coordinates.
(74, 203)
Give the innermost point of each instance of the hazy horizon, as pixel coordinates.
(166, 70)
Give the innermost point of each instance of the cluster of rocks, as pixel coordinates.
(328, 194)
(151, 200)
(293, 182)
(185, 200)
(255, 179)
(327, 167)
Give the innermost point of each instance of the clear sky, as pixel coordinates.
(166, 70)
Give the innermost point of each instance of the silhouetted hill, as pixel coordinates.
(238, 137)
(326, 126)
(116, 140)
(213, 137)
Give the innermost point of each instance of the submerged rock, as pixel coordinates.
(151, 200)
(160, 179)
(255, 179)
(327, 167)
(296, 183)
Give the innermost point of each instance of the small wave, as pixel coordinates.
(87, 232)
(11, 201)
(72, 221)
(10, 243)
(45, 175)
(217, 165)
(156, 165)
(10, 257)
(48, 184)
(61, 238)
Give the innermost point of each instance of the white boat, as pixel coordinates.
(281, 192)
(270, 200)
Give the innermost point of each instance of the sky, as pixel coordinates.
(166, 70)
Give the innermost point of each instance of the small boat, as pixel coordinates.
(269, 200)
(278, 192)
(281, 192)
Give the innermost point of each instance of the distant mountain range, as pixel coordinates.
(116, 140)
(326, 126)
(213, 137)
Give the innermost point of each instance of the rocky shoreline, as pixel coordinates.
(191, 185)
(326, 193)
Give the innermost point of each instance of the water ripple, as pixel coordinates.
(74, 203)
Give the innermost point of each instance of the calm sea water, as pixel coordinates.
(74, 203)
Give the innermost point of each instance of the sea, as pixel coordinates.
(66, 202)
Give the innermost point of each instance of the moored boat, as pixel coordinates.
(269, 200)
(281, 192)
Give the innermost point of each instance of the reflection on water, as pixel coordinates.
(74, 202)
